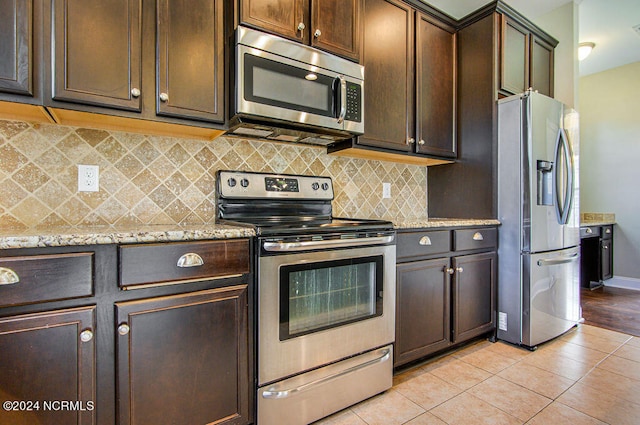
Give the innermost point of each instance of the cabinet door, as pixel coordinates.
(288, 18)
(474, 285)
(97, 52)
(514, 57)
(435, 91)
(606, 258)
(48, 357)
(335, 26)
(183, 359)
(388, 52)
(541, 66)
(190, 61)
(16, 22)
(422, 309)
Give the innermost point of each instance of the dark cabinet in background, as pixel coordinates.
(596, 255)
(499, 53)
(526, 60)
(331, 25)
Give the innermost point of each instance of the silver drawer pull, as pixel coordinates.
(8, 276)
(190, 259)
(425, 240)
(607, 231)
(477, 236)
(588, 231)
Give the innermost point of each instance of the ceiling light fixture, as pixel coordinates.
(584, 49)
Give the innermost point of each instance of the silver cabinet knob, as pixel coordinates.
(411, 141)
(317, 34)
(86, 335)
(449, 270)
(8, 276)
(123, 329)
(301, 26)
(459, 269)
(605, 247)
(421, 142)
(164, 97)
(135, 92)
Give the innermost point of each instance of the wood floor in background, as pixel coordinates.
(612, 308)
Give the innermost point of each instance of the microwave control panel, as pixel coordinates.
(354, 102)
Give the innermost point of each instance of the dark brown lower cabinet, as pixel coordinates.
(474, 284)
(47, 368)
(423, 318)
(183, 359)
(445, 289)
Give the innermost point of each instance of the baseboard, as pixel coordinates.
(623, 282)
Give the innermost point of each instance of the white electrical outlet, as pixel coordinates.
(386, 190)
(88, 178)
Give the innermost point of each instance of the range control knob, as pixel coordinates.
(315, 186)
(244, 183)
(231, 182)
(325, 186)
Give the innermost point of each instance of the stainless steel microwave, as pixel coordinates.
(291, 92)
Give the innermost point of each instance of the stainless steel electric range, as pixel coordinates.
(325, 295)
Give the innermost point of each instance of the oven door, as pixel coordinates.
(318, 307)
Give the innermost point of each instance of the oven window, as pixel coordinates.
(323, 295)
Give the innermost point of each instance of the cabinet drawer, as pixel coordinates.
(415, 244)
(607, 232)
(167, 262)
(465, 239)
(589, 232)
(40, 278)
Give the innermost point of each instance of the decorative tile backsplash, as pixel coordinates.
(164, 180)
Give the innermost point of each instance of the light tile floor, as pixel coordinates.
(588, 376)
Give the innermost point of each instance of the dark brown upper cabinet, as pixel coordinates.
(97, 52)
(16, 21)
(409, 60)
(190, 59)
(526, 60)
(389, 75)
(331, 25)
(435, 87)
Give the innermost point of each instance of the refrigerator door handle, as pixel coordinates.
(563, 205)
(557, 260)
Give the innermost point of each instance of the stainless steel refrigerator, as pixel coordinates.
(538, 206)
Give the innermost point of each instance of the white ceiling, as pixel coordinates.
(607, 23)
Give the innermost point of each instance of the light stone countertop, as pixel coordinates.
(596, 223)
(444, 222)
(98, 235)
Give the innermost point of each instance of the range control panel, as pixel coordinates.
(249, 185)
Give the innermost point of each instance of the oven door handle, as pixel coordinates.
(386, 353)
(332, 243)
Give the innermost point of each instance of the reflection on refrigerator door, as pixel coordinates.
(553, 302)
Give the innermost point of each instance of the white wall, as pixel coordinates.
(610, 157)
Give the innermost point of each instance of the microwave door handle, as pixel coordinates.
(342, 89)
